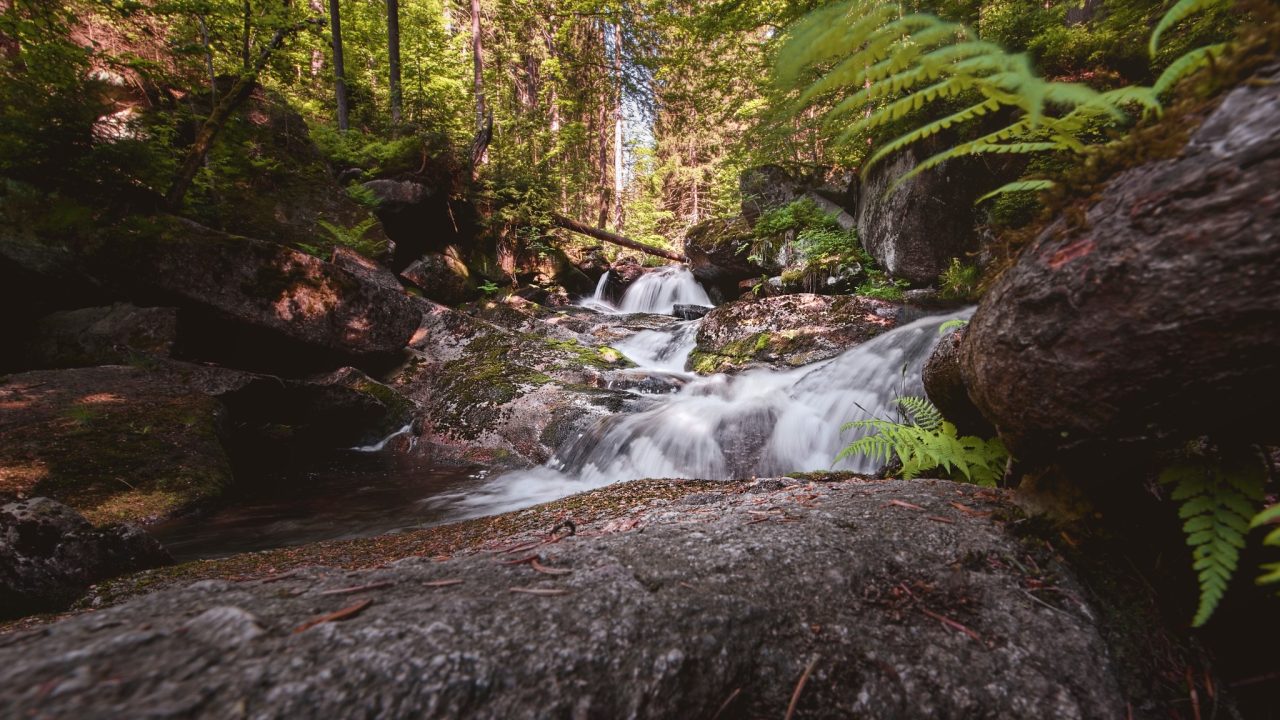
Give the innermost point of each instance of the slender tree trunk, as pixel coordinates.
(208, 62)
(484, 121)
(246, 36)
(218, 119)
(317, 55)
(9, 49)
(617, 127)
(477, 59)
(393, 52)
(339, 71)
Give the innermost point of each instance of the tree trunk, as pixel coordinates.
(606, 236)
(246, 36)
(9, 49)
(477, 59)
(317, 55)
(339, 71)
(393, 52)
(218, 119)
(617, 128)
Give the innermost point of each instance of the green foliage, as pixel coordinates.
(927, 442)
(879, 286)
(1218, 497)
(958, 281)
(1180, 11)
(1269, 516)
(817, 234)
(952, 324)
(353, 237)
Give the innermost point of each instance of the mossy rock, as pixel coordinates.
(116, 443)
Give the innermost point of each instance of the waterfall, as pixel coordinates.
(661, 349)
(657, 291)
(660, 290)
(759, 423)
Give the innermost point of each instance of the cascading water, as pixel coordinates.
(657, 292)
(759, 423)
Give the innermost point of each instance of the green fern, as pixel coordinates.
(353, 237)
(928, 442)
(1180, 10)
(1019, 186)
(1269, 516)
(1217, 501)
(1185, 65)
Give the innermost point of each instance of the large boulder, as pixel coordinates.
(914, 231)
(765, 188)
(721, 253)
(442, 277)
(854, 599)
(115, 442)
(787, 330)
(419, 217)
(1153, 318)
(945, 388)
(49, 554)
(115, 334)
(259, 284)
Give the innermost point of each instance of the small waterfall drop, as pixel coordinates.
(660, 290)
(657, 292)
(759, 423)
(661, 349)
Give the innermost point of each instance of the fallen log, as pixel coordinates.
(606, 236)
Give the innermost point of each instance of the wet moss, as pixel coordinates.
(601, 358)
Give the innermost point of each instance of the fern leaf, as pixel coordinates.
(1217, 504)
(1268, 516)
(1174, 15)
(1185, 65)
(1019, 186)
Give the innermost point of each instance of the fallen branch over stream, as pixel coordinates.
(606, 236)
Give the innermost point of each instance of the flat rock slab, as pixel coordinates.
(888, 599)
(787, 330)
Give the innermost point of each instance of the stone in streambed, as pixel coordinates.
(787, 330)
(49, 554)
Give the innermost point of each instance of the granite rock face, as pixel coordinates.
(1154, 320)
(886, 611)
(49, 554)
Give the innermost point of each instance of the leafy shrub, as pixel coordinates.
(927, 442)
(879, 286)
(959, 281)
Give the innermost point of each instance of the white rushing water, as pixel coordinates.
(657, 292)
(758, 423)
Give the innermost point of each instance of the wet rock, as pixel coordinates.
(115, 334)
(115, 442)
(915, 231)
(260, 285)
(689, 312)
(1152, 320)
(615, 637)
(787, 330)
(49, 554)
(944, 386)
(442, 277)
(345, 408)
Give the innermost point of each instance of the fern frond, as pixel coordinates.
(1269, 516)
(928, 442)
(1019, 186)
(1176, 14)
(1185, 65)
(1218, 501)
(922, 412)
(930, 129)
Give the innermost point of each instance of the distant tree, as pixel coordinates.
(339, 71)
(393, 51)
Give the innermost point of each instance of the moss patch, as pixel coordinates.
(112, 442)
